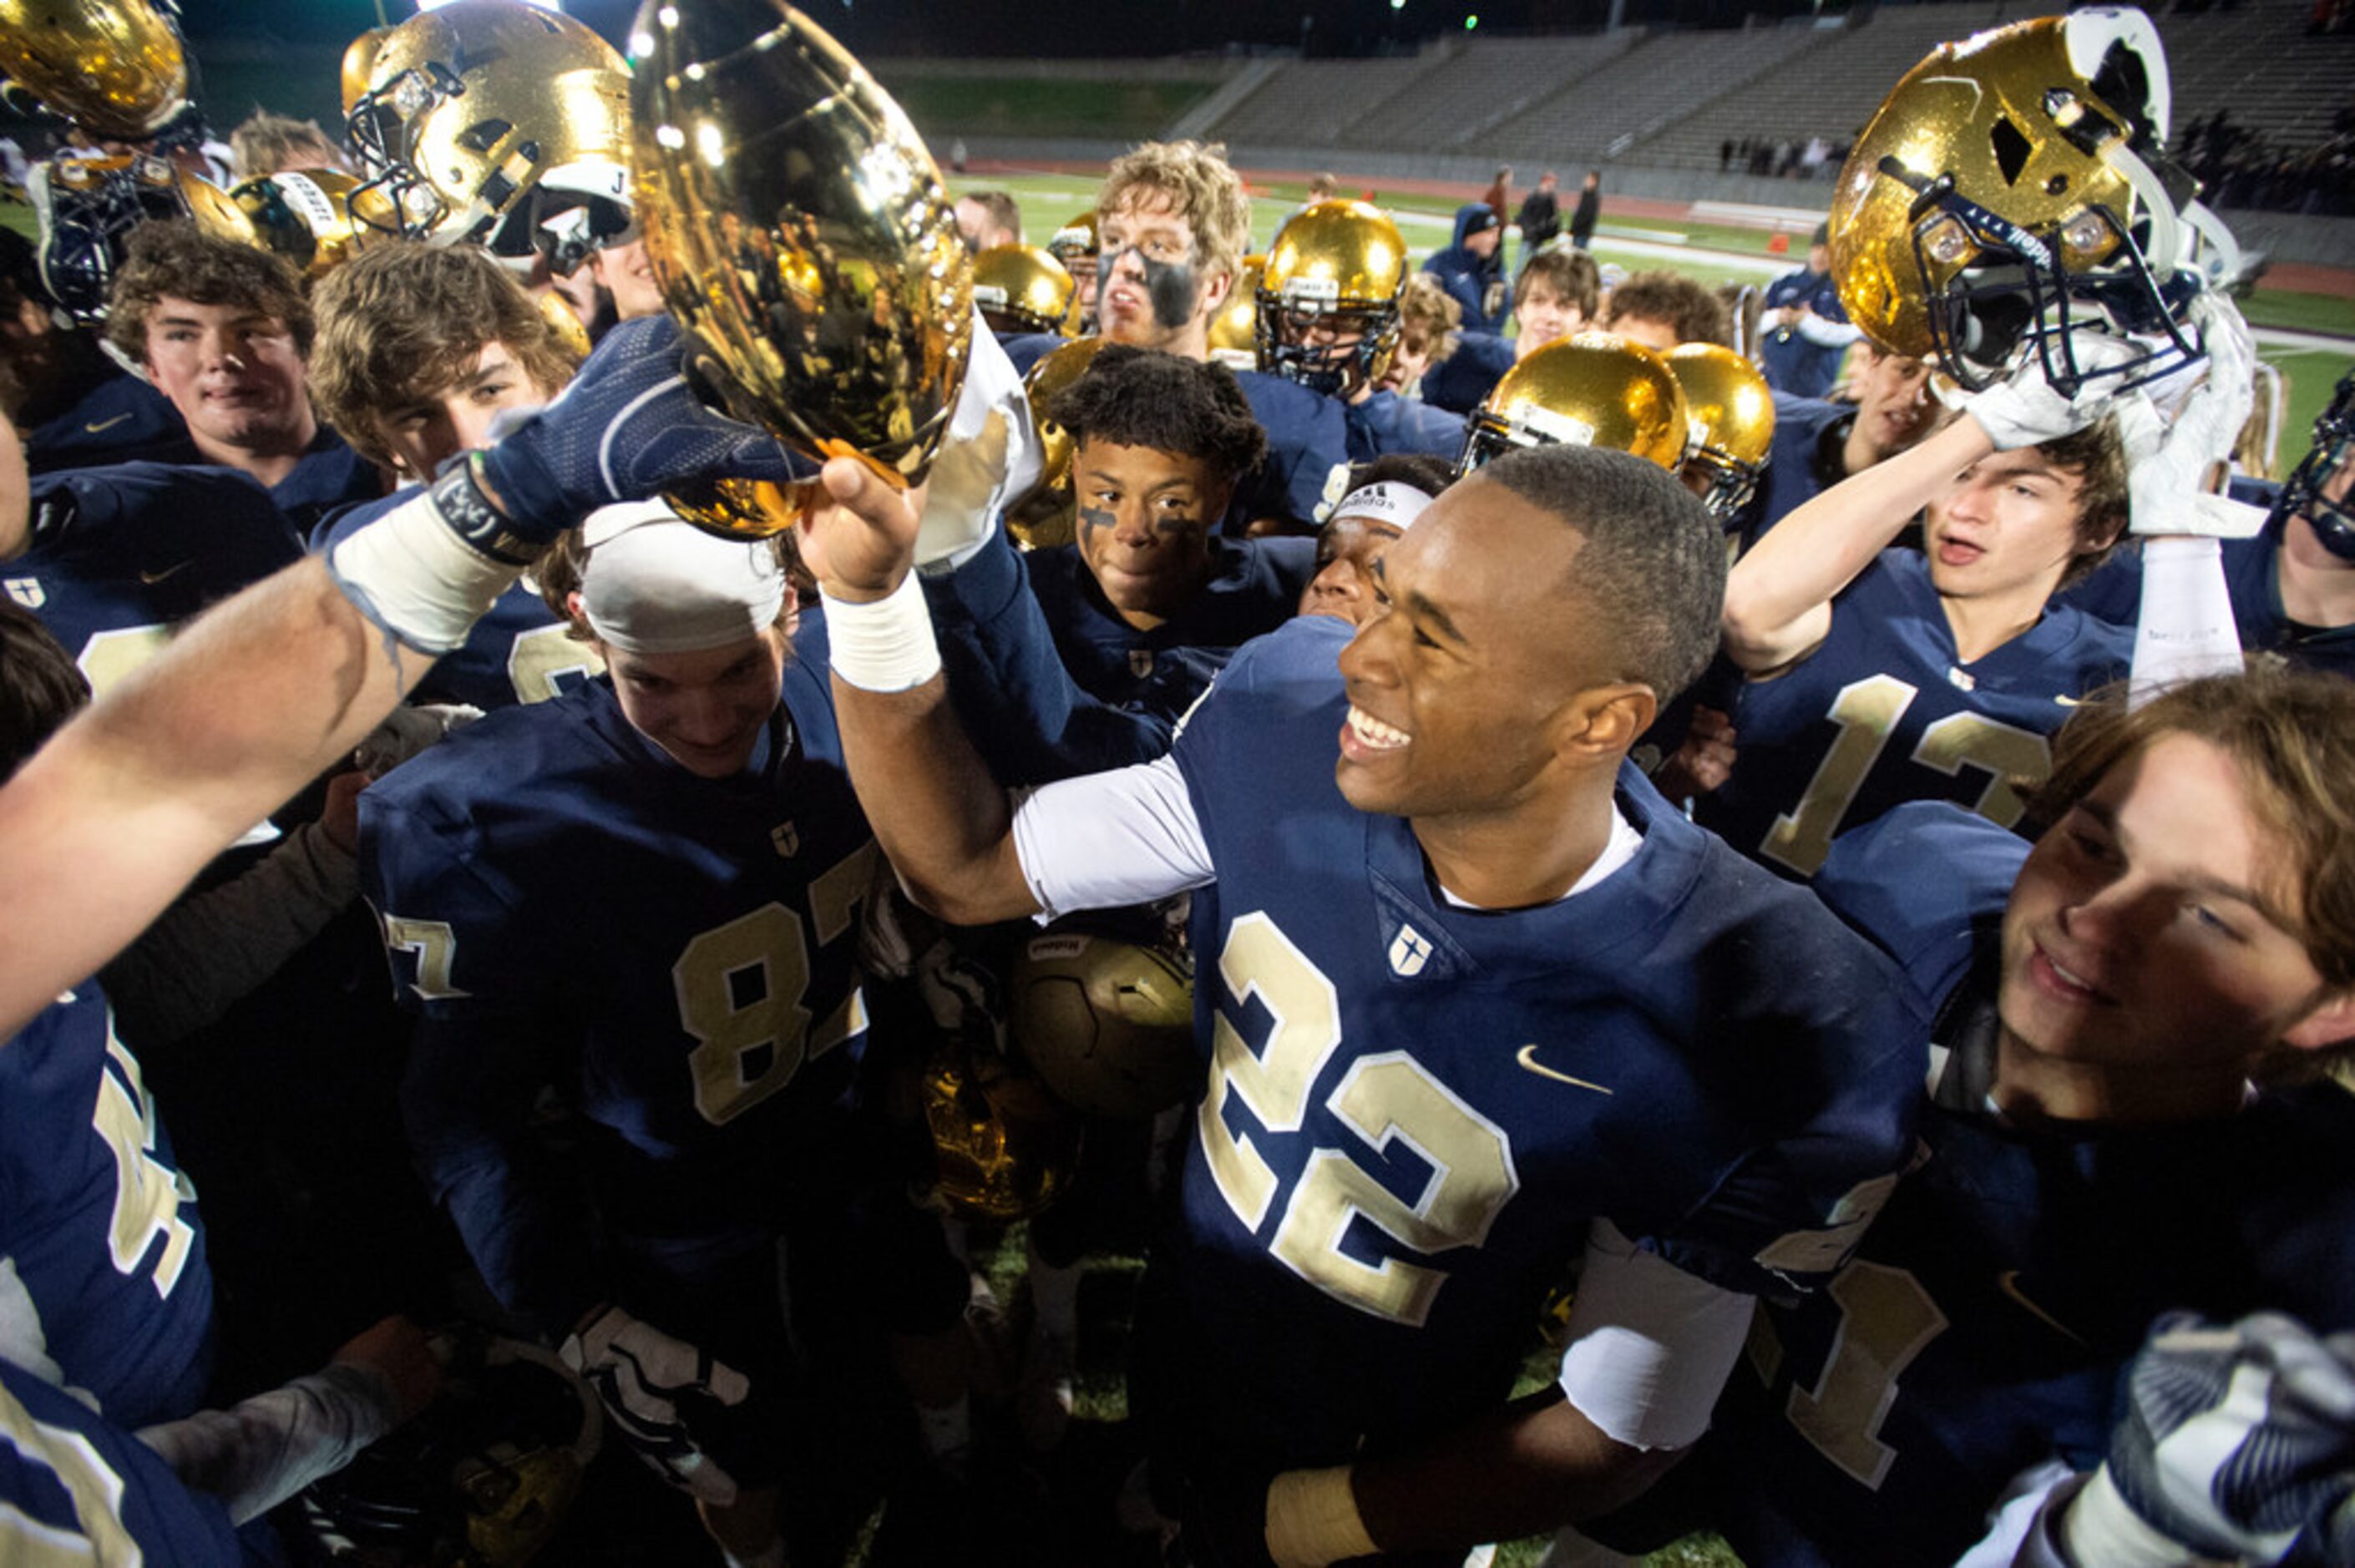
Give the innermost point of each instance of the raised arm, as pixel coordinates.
(946, 823)
(1778, 599)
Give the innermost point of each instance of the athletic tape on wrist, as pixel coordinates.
(468, 513)
(410, 574)
(1312, 1520)
(885, 644)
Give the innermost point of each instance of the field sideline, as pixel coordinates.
(2291, 328)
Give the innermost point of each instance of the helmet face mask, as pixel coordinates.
(2013, 194)
(1326, 304)
(88, 208)
(2334, 450)
(469, 108)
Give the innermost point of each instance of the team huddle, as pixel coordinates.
(1790, 868)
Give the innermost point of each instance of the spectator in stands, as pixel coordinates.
(1540, 215)
(1811, 332)
(1468, 268)
(1660, 308)
(1589, 211)
(988, 219)
(223, 331)
(1429, 322)
(271, 143)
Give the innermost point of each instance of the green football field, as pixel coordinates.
(1716, 253)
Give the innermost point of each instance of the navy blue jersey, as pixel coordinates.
(120, 419)
(330, 477)
(520, 652)
(1476, 282)
(1886, 712)
(1307, 444)
(77, 1489)
(1385, 422)
(1984, 1322)
(1030, 720)
(1808, 457)
(1792, 362)
(120, 555)
(100, 1240)
(688, 944)
(1413, 1110)
(1254, 588)
(1458, 383)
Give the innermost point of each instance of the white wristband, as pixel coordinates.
(2100, 1530)
(1312, 1520)
(884, 644)
(411, 574)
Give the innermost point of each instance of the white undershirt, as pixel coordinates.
(1651, 1344)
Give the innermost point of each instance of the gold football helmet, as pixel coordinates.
(2013, 190)
(469, 108)
(1021, 288)
(1002, 1147)
(303, 216)
(1733, 413)
(1327, 311)
(1590, 389)
(1108, 1023)
(1234, 331)
(115, 68)
(359, 61)
(1076, 242)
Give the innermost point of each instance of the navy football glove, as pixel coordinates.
(2237, 1442)
(629, 426)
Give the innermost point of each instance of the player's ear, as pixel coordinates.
(1216, 287)
(2331, 1023)
(1605, 720)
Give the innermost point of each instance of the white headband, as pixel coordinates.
(655, 584)
(1388, 501)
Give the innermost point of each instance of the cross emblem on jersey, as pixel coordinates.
(787, 838)
(1140, 663)
(1410, 950)
(27, 592)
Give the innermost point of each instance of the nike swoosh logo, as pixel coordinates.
(104, 425)
(1528, 1058)
(2069, 702)
(2009, 1283)
(152, 579)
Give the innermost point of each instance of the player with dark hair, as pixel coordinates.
(2094, 1154)
(1439, 923)
(1150, 585)
(1877, 674)
(1819, 443)
(1384, 498)
(223, 331)
(1660, 308)
(1554, 296)
(988, 219)
(78, 407)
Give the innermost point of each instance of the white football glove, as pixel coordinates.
(2026, 409)
(990, 459)
(2170, 461)
(653, 1385)
(2238, 1442)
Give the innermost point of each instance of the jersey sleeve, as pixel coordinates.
(460, 944)
(1111, 840)
(1916, 881)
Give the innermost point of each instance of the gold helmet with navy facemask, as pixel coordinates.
(115, 68)
(1334, 272)
(302, 216)
(1732, 414)
(1590, 389)
(1023, 289)
(1043, 518)
(468, 108)
(2014, 192)
(87, 208)
(2303, 493)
